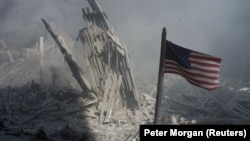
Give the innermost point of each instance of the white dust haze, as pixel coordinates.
(220, 28)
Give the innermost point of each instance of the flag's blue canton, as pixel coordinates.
(178, 54)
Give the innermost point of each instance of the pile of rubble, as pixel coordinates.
(32, 111)
(64, 114)
(183, 103)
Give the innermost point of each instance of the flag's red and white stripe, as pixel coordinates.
(204, 70)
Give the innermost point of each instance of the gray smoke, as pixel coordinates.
(20, 20)
(220, 28)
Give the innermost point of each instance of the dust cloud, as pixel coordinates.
(220, 28)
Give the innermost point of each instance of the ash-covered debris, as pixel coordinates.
(185, 104)
(59, 113)
(41, 100)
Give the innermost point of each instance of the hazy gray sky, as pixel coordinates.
(217, 27)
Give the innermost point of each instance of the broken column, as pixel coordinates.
(75, 69)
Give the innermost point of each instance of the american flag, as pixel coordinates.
(199, 69)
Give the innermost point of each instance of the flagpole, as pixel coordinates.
(160, 76)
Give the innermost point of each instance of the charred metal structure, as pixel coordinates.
(108, 63)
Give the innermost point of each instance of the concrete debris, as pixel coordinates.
(66, 114)
(186, 104)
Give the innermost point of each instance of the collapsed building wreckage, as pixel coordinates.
(65, 111)
(108, 62)
(111, 97)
